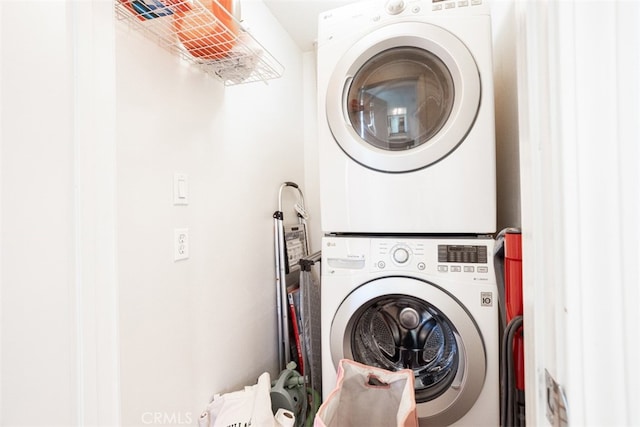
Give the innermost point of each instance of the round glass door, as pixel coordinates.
(403, 97)
(407, 323)
(403, 332)
(400, 99)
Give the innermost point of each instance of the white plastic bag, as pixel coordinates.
(248, 407)
(369, 396)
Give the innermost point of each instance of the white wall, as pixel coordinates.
(38, 340)
(81, 256)
(207, 324)
(311, 166)
(503, 25)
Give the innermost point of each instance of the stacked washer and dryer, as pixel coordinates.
(408, 200)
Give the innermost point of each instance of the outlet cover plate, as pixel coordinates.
(180, 244)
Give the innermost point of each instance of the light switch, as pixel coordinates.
(180, 189)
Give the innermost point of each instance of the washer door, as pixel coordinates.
(403, 97)
(399, 322)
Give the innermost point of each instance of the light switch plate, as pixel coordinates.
(180, 189)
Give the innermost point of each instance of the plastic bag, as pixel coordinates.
(248, 407)
(369, 396)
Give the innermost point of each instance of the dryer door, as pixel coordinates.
(403, 97)
(400, 322)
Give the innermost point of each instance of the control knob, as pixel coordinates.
(394, 7)
(400, 255)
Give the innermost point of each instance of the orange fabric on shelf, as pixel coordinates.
(203, 35)
(178, 5)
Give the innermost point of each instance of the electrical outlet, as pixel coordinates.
(180, 244)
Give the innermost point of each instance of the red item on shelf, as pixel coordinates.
(207, 35)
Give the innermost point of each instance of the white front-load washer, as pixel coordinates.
(406, 118)
(427, 304)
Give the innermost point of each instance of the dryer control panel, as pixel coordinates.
(354, 18)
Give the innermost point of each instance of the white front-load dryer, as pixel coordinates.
(427, 304)
(406, 118)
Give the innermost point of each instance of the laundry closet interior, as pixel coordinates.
(138, 191)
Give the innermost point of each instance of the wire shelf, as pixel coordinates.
(203, 33)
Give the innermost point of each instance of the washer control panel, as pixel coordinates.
(459, 258)
(467, 257)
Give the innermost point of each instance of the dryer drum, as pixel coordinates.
(403, 332)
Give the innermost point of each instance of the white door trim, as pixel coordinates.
(94, 134)
(580, 204)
